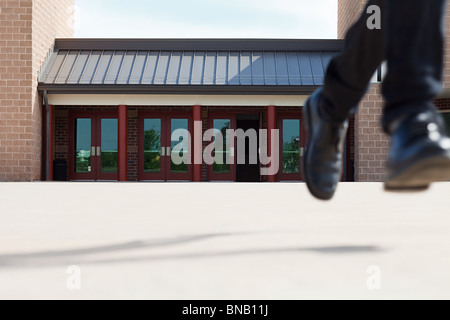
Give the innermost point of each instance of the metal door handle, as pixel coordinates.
(92, 151)
(163, 151)
(99, 151)
(169, 151)
(302, 152)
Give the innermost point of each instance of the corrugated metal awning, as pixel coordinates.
(71, 68)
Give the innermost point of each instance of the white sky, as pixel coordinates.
(297, 19)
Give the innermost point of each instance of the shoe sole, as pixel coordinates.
(316, 194)
(420, 175)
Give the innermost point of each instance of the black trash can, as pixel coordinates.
(60, 170)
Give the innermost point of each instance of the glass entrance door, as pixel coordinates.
(107, 149)
(93, 147)
(84, 166)
(291, 147)
(165, 147)
(224, 166)
(153, 152)
(178, 155)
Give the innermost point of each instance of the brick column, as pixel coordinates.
(197, 142)
(27, 34)
(122, 141)
(371, 143)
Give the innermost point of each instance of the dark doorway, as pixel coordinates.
(248, 172)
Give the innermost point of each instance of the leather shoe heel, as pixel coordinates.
(322, 161)
(419, 153)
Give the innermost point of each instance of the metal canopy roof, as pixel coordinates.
(174, 66)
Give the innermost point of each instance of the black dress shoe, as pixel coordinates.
(419, 152)
(322, 161)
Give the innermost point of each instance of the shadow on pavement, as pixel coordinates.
(90, 255)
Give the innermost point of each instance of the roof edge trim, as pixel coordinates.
(177, 89)
(200, 44)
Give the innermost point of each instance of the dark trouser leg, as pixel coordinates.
(415, 56)
(348, 75)
(411, 40)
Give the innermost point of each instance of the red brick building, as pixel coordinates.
(154, 87)
(78, 109)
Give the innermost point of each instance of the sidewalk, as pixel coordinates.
(222, 241)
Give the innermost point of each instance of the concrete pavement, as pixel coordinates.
(222, 241)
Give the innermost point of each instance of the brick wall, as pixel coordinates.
(442, 104)
(370, 143)
(51, 19)
(27, 30)
(348, 12)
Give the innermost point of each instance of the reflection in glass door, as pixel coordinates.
(178, 152)
(222, 125)
(152, 145)
(161, 158)
(153, 166)
(83, 142)
(107, 150)
(94, 147)
(225, 170)
(291, 148)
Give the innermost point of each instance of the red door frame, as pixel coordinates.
(171, 176)
(283, 116)
(164, 174)
(71, 165)
(95, 117)
(106, 175)
(231, 176)
(261, 115)
(150, 176)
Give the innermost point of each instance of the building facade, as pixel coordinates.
(115, 105)
(78, 109)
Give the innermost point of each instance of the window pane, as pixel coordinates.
(83, 145)
(222, 125)
(446, 117)
(291, 146)
(152, 145)
(109, 145)
(174, 125)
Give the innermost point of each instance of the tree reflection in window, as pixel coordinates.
(152, 145)
(291, 156)
(223, 125)
(291, 146)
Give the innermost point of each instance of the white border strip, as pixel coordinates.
(175, 100)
